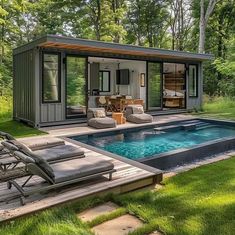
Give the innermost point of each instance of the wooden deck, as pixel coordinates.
(127, 178)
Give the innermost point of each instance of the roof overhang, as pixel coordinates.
(76, 44)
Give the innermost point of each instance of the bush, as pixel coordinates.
(6, 108)
(218, 104)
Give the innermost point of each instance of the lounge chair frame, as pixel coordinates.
(35, 170)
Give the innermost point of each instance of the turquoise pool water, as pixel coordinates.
(147, 142)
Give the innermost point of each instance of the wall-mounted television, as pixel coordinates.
(122, 77)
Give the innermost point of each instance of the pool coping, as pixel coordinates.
(203, 150)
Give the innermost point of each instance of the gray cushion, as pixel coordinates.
(42, 143)
(78, 168)
(41, 163)
(10, 146)
(23, 157)
(60, 153)
(140, 118)
(100, 123)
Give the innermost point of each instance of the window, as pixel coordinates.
(193, 81)
(104, 81)
(51, 78)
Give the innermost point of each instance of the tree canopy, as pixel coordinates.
(170, 24)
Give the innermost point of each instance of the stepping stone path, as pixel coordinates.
(118, 226)
(92, 213)
(121, 225)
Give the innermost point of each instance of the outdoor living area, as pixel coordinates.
(128, 176)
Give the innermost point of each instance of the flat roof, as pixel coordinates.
(85, 45)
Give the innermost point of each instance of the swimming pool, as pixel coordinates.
(144, 144)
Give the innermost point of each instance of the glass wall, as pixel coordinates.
(76, 87)
(154, 85)
(193, 81)
(51, 78)
(173, 85)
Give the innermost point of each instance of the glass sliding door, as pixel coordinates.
(154, 85)
(76, 100)
(173, 86)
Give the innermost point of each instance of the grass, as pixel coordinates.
(19, 130)
(8, 125)
(5, 108)
(201, 201)
(219, 107)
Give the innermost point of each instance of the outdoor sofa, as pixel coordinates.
(97, 118)
(58, 175)
(135, 114)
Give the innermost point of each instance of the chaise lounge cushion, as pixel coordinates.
(42, 143)
(140, 118)
(100, 123)
(60, 153)
(77, 168)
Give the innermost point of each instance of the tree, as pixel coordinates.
(146, 22)
(204, 17)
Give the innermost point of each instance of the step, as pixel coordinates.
(92, 213)
(119, 226)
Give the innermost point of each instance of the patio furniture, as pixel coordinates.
(135, 114)
(119, 118)
(60, 174)
(53, 154)
(97, 118)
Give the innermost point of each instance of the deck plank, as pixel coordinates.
(127, 177)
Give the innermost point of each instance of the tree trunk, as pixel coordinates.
(202, 28)
(204, 17)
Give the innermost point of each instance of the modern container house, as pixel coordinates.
(57, 78)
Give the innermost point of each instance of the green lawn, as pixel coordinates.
(14, 128)
(220, 107)
(19, 129)
(200, 202)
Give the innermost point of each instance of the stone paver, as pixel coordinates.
(118, 226)
(92, 213)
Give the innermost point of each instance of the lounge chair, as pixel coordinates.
(35, 144)
(60, 174)
(96, 118)
(135, 114)
(53, 154)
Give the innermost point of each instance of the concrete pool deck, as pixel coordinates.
(66, 130)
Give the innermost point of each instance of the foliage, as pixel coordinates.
(171, 24)
(218, 107)
(200, 201)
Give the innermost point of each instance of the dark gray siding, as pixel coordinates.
(24, 86)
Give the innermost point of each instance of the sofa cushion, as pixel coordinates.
(99, 114)
(138, 109)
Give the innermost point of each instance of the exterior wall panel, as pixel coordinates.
(24, 86)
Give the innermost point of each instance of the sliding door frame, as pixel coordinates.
(185, 81)
(86, 83)
(147, 85)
